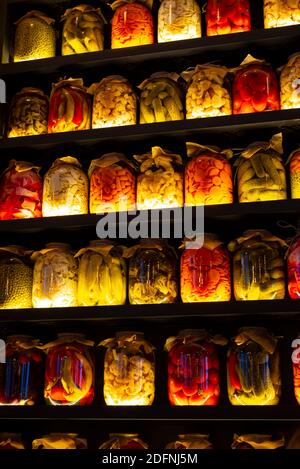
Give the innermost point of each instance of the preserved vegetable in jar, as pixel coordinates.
(101, 275)
(66, 189)
(114, 102)
(129, 370)
(21, 375)
(11, 441)
(161, 99)
(28, 114)
(191, 441)
(193, 368)
(152, 273)
(258, 266)
(253, 372)
(70, 370)
(83, 30)
(290, 83)
(294, 160)
(132, 23)
(207, 92)
(112, 184)
(124, 441)
(296, 367)
(278, 13)
(257, 442)
(293, 268)
(227, 16)
(178, 20)
(208, 176)
(54, 277)
(205, 271)
(255, 87)
(15, 278)
(35, 37)
(261, 172)
(60, 441)
(21, 189)
(160, 182)
(69, 108)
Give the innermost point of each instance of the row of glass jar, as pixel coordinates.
(206, 92)
(132, 441)
(132, 24)
(253, 369)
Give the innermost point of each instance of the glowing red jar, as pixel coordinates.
(227, 16)
(193, 368)
(255, 88)
(293, 266)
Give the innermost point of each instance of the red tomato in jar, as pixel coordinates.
(174, 385)
(259, 101)
(246, 108)
(179, 398)
(190, 389)
(246, 93)
(213, 376)
(213, 400)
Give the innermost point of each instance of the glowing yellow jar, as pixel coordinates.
(15, 278)
(279, 13)
(178, 20)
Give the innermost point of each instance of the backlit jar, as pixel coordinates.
(278, 13)
(296, 367)
(21, 189)
(132, 23)
(208, 176)
(35, 37)
(54, 277)
(293, 267)
(290, 83)
(60, 441)
(295, 174)
(191, 441)
(152, 273)
(178, 20)
(28, 114)
(15, 278)
(124, 441)
(258, 266)
(193, 368)
(65, 189)
(255, 88)
(129, 370)
(70, 370)
(21, 376)
(253, 372)
(205, 271)
(227, 16)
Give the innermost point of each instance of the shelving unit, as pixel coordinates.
(230, 220)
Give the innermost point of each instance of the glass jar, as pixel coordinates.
(193, 368)
(152, 273)
(160, 182)
(129, 370)
(124, 441)
(101, 275)
(293, 268)
(227, 16)
(258, 266)
(295, 174)
(28, 114)
(11, 441)
(70, 370)
(66, 189)
(21, 375)
(112, 184)
(261, 172)
(21, 189)
(161, 99)
(191, 441)
(257, 442)
(205, 272)
(35, 37)
(278, 13)
(208, 176)
(255, 88)
(83, 30)
(70, 107)
(114, 103)
(296, 367)
(290, 83)
(60, 441)
(15, 278)
(54, 277)
(207, 92)
(253, 372)
(132, 23)
(178, 20)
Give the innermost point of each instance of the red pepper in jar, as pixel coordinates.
(293, 264)
(227, 16)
